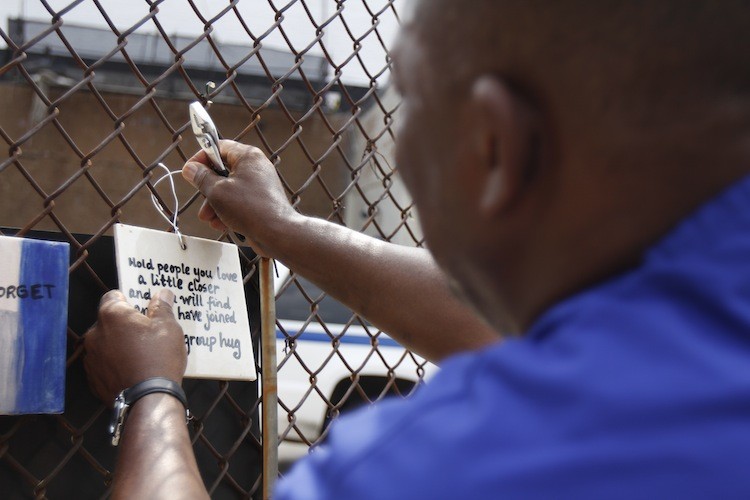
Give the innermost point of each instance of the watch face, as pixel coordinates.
(118, 417)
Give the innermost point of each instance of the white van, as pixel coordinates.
(331, 361)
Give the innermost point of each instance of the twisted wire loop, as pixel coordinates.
(94, 99)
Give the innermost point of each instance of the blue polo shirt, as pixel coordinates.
(638, 387)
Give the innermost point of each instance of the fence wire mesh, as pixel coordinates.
(94, 96)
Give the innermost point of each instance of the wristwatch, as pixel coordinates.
(129, 396)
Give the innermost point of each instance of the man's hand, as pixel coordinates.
(125, 347)
(251, 200)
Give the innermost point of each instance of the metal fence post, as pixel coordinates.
(268, 377)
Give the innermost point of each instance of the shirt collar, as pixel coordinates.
(722, 218)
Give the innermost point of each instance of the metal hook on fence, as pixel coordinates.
(205, 96)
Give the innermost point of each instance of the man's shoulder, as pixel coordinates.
(503, 419)
(615, 389)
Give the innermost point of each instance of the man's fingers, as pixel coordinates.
(96, 385)
(88, 340)
(160, 306)
(201, 157)
(217, 224)
(233, 153)
(230, 151)
(200, 176)
(112, 296)
(206, 212)
(112, 302)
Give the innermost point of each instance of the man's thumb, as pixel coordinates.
(160, 306)
(200, 176)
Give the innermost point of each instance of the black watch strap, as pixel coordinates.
(152, 385)
(129, 396)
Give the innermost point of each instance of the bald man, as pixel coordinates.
(581, 173)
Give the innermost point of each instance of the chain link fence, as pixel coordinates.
(94, 96)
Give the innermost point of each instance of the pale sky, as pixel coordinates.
(177, 17)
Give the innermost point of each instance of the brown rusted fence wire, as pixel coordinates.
(94, 94)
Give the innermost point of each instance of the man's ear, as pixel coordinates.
(506, 128)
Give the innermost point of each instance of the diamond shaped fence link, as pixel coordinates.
(93, 100)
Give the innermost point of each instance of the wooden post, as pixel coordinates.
(268, 378)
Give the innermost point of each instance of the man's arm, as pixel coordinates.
(156, 458)
(399, 289)
(124, 348)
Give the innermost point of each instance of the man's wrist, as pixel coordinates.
(274, 240)
(131, 395)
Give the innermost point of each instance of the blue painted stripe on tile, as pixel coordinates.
(44, 326)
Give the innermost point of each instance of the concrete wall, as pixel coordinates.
(50, 161)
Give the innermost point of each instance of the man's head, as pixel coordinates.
(548, 142)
